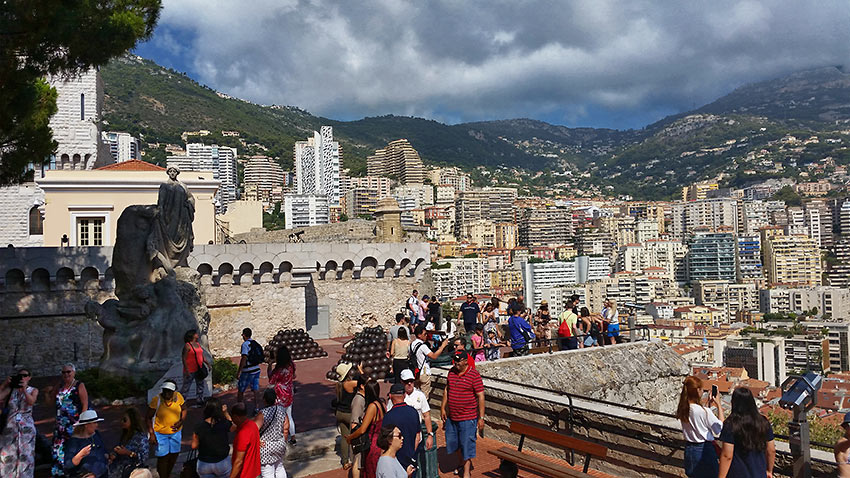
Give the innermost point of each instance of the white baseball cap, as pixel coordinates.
(169, 385)
(406, 374)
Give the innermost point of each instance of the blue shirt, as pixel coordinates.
(406, 419)
(95, 462)
(516, 325)
(746, 464)
(470, 313)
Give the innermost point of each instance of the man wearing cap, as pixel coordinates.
(842, 449)
(462, 410)
(469, 312)
(414, 398)
(406, 419)
(165, 417)
(420, 350)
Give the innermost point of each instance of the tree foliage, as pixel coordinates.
(41, 38)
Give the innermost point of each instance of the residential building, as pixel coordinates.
(303, 210)
(754, 216)
(360, 201)
(830, 302)
(820, 221)
(646, 230)
(266, 176)
(380, 184)
(506, 235)
(422, 194)
(445, 194)
(317, 167)
(122, 146)
(480, 232)
(699, 314)
(712, 256)
(763, 358)
(698, 191)
(494, 204)
(805, 353)
(544, 226)
(671, 256)
(544, 275)
(791, 260)
(221, 160)
(591, 240)
(749, 260)
(733, 299)
(710, 214)
(659, 310)
(450, 176)
(506, 282)
(460, 277)
(398, 160)
(84, 206)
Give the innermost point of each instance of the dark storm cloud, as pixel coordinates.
(470, 60)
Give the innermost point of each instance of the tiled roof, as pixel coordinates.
(131, 165)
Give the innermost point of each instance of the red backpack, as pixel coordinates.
(564, 330)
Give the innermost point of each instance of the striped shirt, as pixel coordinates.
(462, 403)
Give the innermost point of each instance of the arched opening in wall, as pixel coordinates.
(65, 279)
(419, 269)
(330, 271)
(76, 162)
(347, 269)
(89, 278)
(36, 222)
(285, 273)
(389, 269)
(206, 272)
(369, 268)
(108, 279)
(15, 280)
(266, 273)
(225, 274)
(86, 162)
(246, 273)
(402, 269)
(65, 162)
(40, 280)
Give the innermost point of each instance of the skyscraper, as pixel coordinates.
(221, 160)
(712, 256)
(122, 146)
(398, 160)
(317, 163)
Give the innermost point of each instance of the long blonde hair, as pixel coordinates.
(691, 393)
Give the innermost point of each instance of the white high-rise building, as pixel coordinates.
(317, 163)
(710, 213)
(122, 146)
(221, 160)
(304, 210)
(545, 275)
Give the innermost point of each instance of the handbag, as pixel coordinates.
(362, 443)
(202, 368)
(190, 466)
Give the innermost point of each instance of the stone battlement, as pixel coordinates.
(36, 269)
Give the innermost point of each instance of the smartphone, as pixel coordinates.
(713, 391)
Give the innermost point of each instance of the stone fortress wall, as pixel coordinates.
(328, 289)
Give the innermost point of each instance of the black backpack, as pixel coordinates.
(255, 353)
(412, 363)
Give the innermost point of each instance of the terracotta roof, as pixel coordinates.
(131, 165)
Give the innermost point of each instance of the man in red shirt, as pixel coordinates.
(246, 445)
(462, 410)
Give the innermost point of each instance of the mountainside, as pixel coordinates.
(736, 136)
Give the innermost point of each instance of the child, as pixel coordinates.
(477, 339)
(492, 347)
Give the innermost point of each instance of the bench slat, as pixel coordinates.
(537, 464)
(559, 439)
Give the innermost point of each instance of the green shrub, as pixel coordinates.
(110, 386)
(223, 371)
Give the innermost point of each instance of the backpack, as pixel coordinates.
(564, 330)
(412, 363)
(255, 353)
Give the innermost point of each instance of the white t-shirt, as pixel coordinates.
(416, 400)
(611, 317)
(701, 426)
(421, 355)
(246, 349)
(413, 304)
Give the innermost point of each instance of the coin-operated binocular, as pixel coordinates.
(799, 394)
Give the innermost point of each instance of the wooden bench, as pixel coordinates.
(545, 467)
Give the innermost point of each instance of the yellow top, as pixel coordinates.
(167, 414)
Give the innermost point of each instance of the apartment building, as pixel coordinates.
(303, 210)
(710, 214)
(494, 204)
(712, 256)
(544, 275)
(397, 160)
(317, 166)
(671, 256)
(265, 175)
(221, 160)
(450, 176)
(733, 299)
(544, 226)
(791, 260)
(460, 277)
(122, 146)
(750, 268)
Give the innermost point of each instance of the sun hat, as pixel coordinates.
(88, 416)
(343, 369)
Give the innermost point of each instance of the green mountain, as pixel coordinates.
(721, 138)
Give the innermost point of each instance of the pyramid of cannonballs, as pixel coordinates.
(301, 346)
(369, 348)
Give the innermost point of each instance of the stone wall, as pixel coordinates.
(15, 204)
(642, 374)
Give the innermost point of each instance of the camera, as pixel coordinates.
(15, 381)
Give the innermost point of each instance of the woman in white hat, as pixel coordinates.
(85, 453)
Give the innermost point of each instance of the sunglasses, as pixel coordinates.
(67, 372)
(24, 374)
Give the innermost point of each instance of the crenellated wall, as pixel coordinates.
(328, 289)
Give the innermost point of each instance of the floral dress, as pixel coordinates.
(17, 443)
(139, 444)
(281, 380)
(68, 409)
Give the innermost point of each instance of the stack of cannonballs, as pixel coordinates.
(301, 346)
(369, 348)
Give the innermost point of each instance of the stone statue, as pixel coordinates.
(158, 300)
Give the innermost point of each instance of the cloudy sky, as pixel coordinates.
(578, 63)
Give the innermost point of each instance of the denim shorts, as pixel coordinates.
(167, 444)
(249, 379)
(701, 460)
(590, 341)
(462, 436)
(214, 470)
